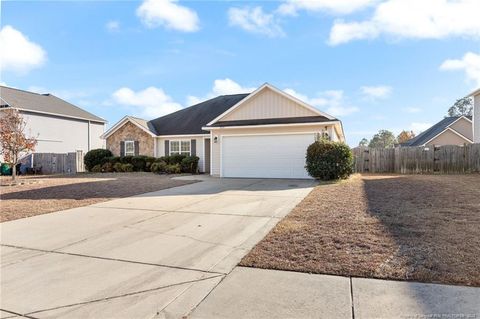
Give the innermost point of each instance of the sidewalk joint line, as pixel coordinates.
(17, 314)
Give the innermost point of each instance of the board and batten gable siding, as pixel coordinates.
(447, 138)
(130, 132)
(56, 134)
(268, 104)
(199, 148)
(216, 148)
(464, 127)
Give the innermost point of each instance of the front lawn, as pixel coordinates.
(417, 227)
(45, 194)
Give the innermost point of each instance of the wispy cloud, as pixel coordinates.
(376, 92)
(255, 20)
(221, 87)
(469, 63)
(112, 26)
(331, 101)
(168, 14)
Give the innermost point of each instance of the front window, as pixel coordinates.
(129, 148)
(180, 147)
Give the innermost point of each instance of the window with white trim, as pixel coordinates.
(129, 148)
(180, 147)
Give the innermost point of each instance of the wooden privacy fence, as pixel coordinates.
(448, 159)
(59, 163)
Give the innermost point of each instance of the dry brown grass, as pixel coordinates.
(421, 228)
(45, 194)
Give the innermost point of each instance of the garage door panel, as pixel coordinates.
(274, 156)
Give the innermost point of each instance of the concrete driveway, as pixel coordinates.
(157, 255)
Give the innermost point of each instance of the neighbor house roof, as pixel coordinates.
(43, 103)
(424, 137)
(191, 119)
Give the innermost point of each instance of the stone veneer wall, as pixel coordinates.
(130, 132)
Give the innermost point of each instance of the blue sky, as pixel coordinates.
(391, 64)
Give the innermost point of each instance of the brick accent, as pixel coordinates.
(130, 132)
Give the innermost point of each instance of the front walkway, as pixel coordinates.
(153, 255)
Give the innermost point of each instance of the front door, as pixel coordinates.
(207, 155)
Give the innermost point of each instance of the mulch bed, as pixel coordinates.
(418, 227)
(37, 195)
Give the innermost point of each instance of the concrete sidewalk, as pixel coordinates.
(260, 293)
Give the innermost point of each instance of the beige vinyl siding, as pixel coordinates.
(464, 127)
(268, 104)
(216, 147)
(199, 145)
(447, 138)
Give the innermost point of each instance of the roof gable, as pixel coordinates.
(269, 102)
(43, 103)
(435, 130)
(191, 119)
(140, 123)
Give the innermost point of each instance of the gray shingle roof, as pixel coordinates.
(191, 119)
(45, 103)
(430, 133)
(144, 123)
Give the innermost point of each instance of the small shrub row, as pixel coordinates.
(102, 161)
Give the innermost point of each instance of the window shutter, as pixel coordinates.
(122, 148)
(193, 147)
(167, 147)
(136, 150)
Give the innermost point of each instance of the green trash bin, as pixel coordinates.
(5, 169)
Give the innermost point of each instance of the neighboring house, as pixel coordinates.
(453, 130)
(476, 115)
(261, 134)
(60, 127)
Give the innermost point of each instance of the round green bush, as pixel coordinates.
(95, 157)
(139, 163)
(327, 160)
(158, 167)
(190, 164)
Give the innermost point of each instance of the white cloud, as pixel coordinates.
(149, 103)
(221, 87)
(112, 26)
(419, 127)
(255, 20)
(331, 102)
(18, 53)
(469, 63)
(376, 92)
(425, 19)
(412, 110)
(291, 7)
(168, 14)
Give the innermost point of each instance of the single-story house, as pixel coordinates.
(261, 134)
(59, 126)
(452, 130)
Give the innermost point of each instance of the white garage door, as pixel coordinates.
(267, 156)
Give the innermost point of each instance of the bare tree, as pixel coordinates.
(14, 142)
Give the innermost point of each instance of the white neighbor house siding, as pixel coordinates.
(476, 118)
(216, 147)
(160, 147)
(63, 135)
(268, 104)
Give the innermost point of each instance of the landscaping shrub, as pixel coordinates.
(96, 169)
(139, 163)
(127, 167)
(173, 169)
(126, 159)
(149, 160)
(158, 167)
(190, 164)
(118, 167)
(107, 167)
(95, 157)
(327, 160)
(174, 159)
